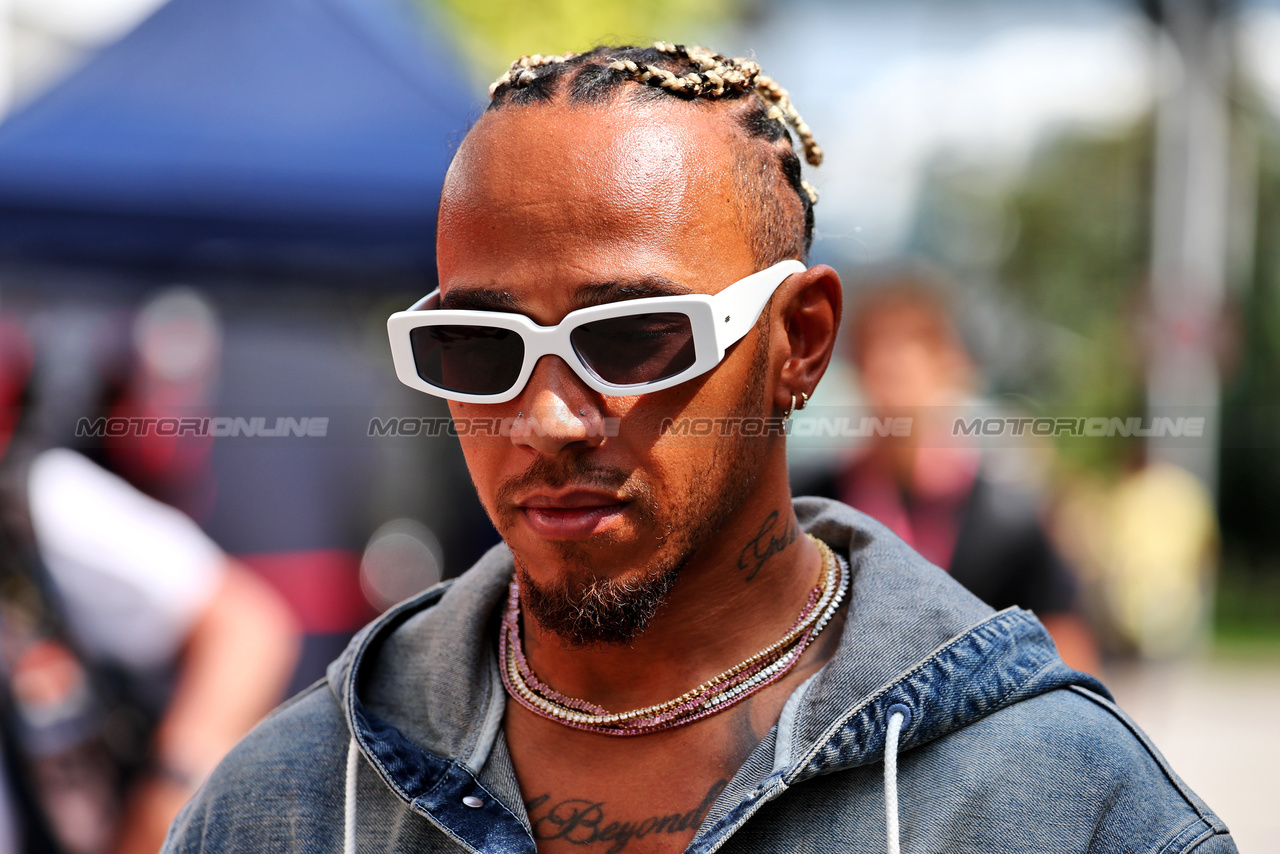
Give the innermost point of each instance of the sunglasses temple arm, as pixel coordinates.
(738, 307)
(430, 301)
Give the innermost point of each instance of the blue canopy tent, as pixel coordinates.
(244, 134)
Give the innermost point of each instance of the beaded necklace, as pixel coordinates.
(715, 695)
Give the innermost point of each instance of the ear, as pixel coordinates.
(809, 308)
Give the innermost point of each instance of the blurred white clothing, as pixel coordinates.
(133, 574)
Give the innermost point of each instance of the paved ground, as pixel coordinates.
(1218, 724)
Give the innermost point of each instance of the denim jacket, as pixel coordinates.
(966, 718)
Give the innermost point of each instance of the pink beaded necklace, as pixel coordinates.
(715, 695)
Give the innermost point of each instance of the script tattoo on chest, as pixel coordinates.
(767, 542)
(583, 821)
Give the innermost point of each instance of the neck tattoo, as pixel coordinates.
(715, 695)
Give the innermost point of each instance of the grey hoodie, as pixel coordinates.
(961, 727)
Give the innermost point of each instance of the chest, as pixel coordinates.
(588, 793)
(597, 794)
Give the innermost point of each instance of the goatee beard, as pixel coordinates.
(597, 611)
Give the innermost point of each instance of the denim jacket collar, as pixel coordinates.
(423, 699)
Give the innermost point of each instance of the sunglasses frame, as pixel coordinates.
(717, 322)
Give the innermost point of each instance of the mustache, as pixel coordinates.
(557, 473)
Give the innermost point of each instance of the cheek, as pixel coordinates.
(482, 468)
(671, 436)
(484, 447)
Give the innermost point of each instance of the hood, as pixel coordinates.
(913, 638)
(422, 695)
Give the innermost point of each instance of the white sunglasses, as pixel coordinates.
(620, 348)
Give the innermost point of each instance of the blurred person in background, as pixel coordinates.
(1149, 544)
(293, 512)
(931, 487)
(134, 651)
(172, 371)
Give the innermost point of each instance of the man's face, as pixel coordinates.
(548, 209)
(907, 364)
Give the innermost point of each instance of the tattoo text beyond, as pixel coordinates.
(582, 821)
(765, 544)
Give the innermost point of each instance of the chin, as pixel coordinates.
(585, 608)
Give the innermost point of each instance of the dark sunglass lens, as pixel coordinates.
(468, 359)
(641, 348)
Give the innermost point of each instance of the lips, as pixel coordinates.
(570, 515)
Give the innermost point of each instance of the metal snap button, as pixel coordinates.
(473, 802)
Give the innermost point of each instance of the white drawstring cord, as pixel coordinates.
(899, 716)
(349, 823)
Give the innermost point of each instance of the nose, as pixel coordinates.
(557, 411)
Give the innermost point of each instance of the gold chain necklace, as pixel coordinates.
(715, 695)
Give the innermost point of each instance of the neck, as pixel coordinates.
(738, 594)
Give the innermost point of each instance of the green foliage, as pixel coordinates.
(1250, 464)
(1079, 263)
(1074, 261)
(1083, 210)
(1067, 242)
(493, 33)
(1246, 602)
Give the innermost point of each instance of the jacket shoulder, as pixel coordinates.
(1074, 759)
(1063, 771)
(279, 789)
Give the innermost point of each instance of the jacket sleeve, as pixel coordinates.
(278, 790)
(1218, 843)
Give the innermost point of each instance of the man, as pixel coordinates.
(693, 662)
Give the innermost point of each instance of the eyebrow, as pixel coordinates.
(617, 291)
(595, 293)
(479, 299)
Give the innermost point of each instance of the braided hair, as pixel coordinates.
(768, 169)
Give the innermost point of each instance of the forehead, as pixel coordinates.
(546, 199)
